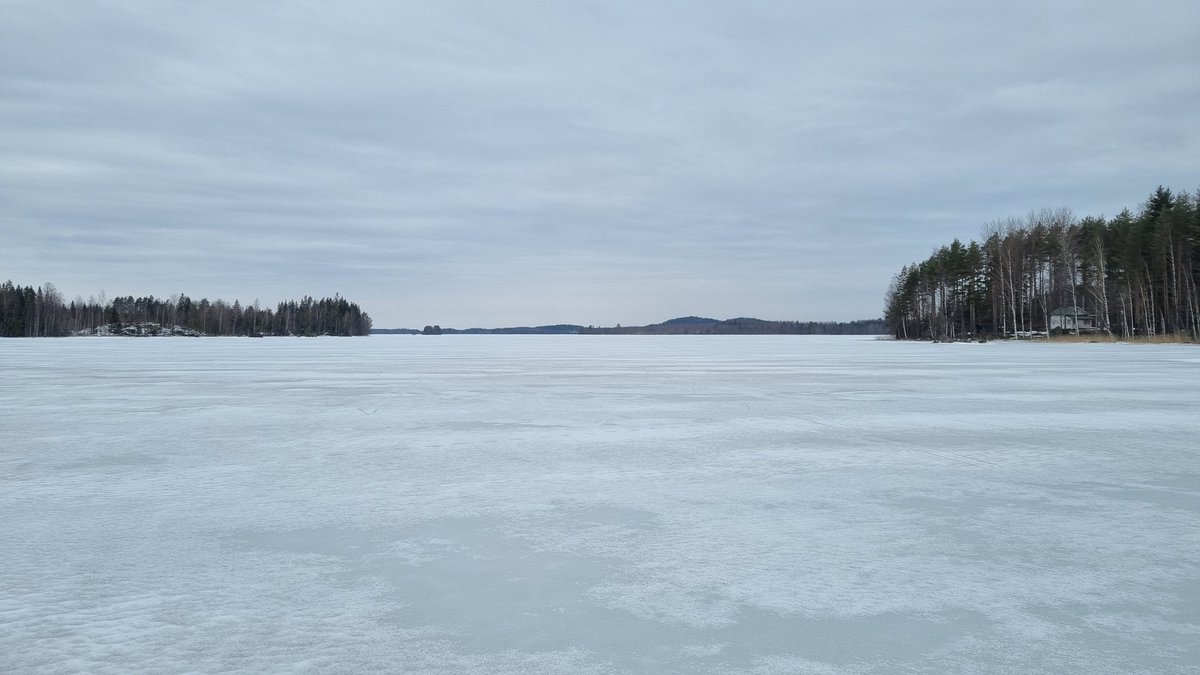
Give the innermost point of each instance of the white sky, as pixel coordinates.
(517, 163)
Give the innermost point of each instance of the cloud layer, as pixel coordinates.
(483, 163)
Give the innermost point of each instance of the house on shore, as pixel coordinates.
(1068, 318)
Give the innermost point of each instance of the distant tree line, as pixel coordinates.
(42, 312)
(745, 326)
(1134, 275)
(689, 325)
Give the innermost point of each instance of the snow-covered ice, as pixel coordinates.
(598, 504)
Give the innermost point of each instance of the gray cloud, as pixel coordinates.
(483, 163)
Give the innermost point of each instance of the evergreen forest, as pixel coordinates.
(1131, 276)
(42, 312)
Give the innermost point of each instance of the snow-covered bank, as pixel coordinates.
(597, 504)
(146, 329)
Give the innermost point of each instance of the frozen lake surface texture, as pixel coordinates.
(518, 504)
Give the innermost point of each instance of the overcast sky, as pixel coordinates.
(514, 163)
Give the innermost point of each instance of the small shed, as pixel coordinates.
(1068, 318)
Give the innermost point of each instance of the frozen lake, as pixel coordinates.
(598, 504)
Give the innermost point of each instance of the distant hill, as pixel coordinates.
(688, 321)
(687, 325)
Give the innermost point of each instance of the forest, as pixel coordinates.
(1134, 275)
(42, 312)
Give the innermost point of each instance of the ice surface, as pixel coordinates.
(598, 504)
